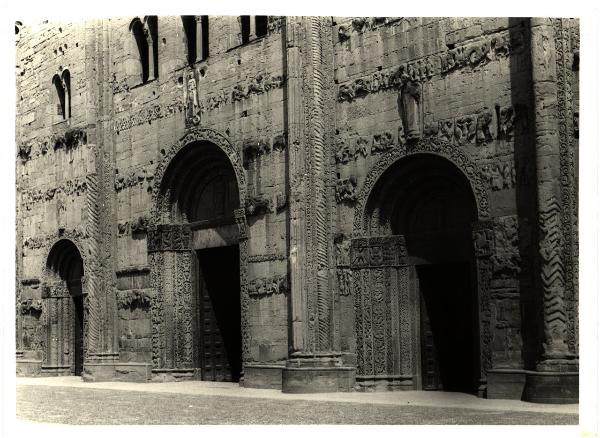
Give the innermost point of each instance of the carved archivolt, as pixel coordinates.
(73, 237)
(197, 135)
(426, 146)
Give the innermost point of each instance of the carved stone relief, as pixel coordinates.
(261, 287)
(345, 190)
(148, 114)
(257, 85)
(379, 283)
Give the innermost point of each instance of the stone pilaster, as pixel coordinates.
(556, 376)
(102, 338)
(309, 67)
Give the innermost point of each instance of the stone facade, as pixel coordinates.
(345, 162)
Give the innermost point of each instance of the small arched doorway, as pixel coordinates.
(420, 212)
(63, 305)
(198, 195)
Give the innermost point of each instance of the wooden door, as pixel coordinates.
(213, 356)
(429, 357)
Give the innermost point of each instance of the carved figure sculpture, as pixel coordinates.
(410, 98)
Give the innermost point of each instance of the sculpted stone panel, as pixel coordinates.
(345, 190)
(167, 237)
(31, 197)
(134, 298)
(148, 114)
(470, 55)
(261, 287)
(379, 280)
(257, 85)
(500, 175)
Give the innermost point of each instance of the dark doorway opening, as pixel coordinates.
(219, 314)
(447, 327)
(78, 334)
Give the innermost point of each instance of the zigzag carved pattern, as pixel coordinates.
(318, 149)
(92, 281)
(555, 318)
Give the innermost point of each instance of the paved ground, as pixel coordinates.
(68, 400)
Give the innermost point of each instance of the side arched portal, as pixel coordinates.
(63, 309)
(416, 276)
(197, 251)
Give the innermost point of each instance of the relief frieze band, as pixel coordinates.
(167, 237)
(260, 287)
(473, 54)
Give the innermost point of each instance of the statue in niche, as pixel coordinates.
(192, 105)
(410, 104)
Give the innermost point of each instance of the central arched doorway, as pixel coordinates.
(419, 215)
(63, 305)
(201, 333)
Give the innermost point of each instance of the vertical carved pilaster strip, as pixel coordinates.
(319, 180)
(187, 310)
(554, 196)
(406, 354)
(240, 219)
(389, 291)
(553, 282)
(567, 175)
(483, 247)
(378, 276)
(368, 323)
(358, 312)
(298, 183)
(157, 263)
(92, 280)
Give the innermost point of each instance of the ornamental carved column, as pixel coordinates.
(556, 377)
(100, 308)
(313, 366)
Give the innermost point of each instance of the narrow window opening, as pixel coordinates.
(60, 92)
(152, 25)
(204, 21)
(190, 29)
(66, 82)
(245, 22)
(261, 25)
(137, 29)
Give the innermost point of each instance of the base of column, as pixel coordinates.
(506, 383)
(311, 373)
(29, 367)
(100, 367)
(554, 381)
(29, 363)
(262, 375)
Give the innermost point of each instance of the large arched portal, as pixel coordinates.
(63, 309)
(195, 259)
(418, 247)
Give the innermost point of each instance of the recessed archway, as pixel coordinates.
(199, 193)
(425, 205)
(64, 307)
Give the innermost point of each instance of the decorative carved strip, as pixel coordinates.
(147, 115)
(167, 237)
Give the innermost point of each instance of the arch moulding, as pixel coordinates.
(196, 135)
(439, 148)
(72, 237)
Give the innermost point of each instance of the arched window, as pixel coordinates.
(146, 37)
(62, 84)
(137, 29)
(196, 34)
(253, 26)
(151, 28)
